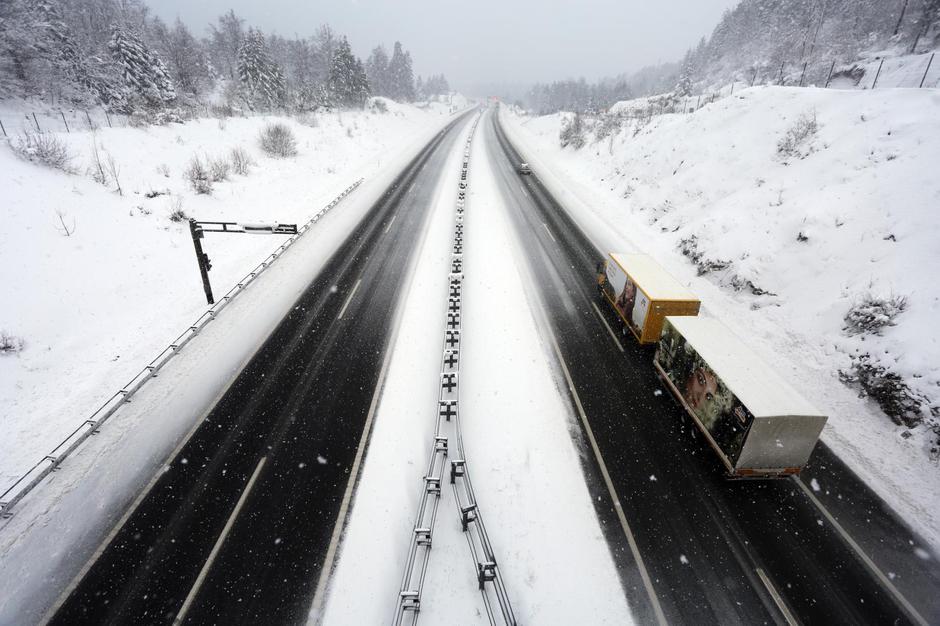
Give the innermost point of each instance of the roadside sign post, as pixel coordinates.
(198, 230)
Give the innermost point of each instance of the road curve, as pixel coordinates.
(716, 551)
(237, 527)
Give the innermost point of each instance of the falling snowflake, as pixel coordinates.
(815, 485)
(321, 460)
(652, 478)
(658, 392)
(683, 560)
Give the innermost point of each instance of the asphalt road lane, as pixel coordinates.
(717, 551)
(267, 469)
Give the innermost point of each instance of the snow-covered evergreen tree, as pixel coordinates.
(684, 86)
(401, 76)
(261, 80)
(377, 71)
(347, 84)
(146, 78)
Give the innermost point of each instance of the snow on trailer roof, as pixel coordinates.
(649, 275)
(755, 383)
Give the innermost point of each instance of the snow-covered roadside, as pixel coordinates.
(716, 175)
(526, 471)
(55, 530)
(94, 307)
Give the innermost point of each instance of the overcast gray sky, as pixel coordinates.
(478, 42)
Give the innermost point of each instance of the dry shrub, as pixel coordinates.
(277, 140)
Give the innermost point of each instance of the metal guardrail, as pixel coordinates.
(448, 441)
(49, 463)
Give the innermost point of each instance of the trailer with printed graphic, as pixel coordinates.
(643, 294)
(758, 424)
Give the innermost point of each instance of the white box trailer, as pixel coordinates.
(758, 424)
(643, 294)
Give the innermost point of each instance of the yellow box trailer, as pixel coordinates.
(643, 294)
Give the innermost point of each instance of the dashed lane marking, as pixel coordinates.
(349, 299)
(613, 335)
(187, 604)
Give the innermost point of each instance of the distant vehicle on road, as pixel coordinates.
(524, 169)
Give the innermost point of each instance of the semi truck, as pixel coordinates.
(758, 424)
(643, 294)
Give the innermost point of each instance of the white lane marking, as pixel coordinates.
(545, 226)
(613, 335)
(349, 298)
(778, 600)
(634, 548)
(412, 188)
(328, 562)
(912, 612)
(187, 604)
(524, 192)
(392, 221)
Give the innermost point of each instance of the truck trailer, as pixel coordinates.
(643, 294)
(758, 424)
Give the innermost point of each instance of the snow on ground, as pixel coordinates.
(852, 212)
(525, 467)
(94, 307)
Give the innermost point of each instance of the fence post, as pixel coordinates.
(3, 129)
(88, 117)
(64, 122)
(780, 78)
(108, 117)
(732, 89)
(929, 61)
(754, 77)
(878, 73)
(803, 73)
(829, 77)
(38, 130)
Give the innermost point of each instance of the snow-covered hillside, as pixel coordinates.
(785, 209)
(93, 306)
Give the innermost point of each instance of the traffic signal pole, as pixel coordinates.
(198, 230)
(202, 259)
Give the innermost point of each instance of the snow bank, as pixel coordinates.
(789, 243)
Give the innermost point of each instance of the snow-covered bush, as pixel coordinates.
(797, 141)
(241, 161)
(887, 388)
(277, 140)
(176, 210)
(198, 176)
(45, 149)
(219, 168)
(141, 118)
(607, 126)
(872, 313)
(10, 343)
(378, 105)
(572, 133)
